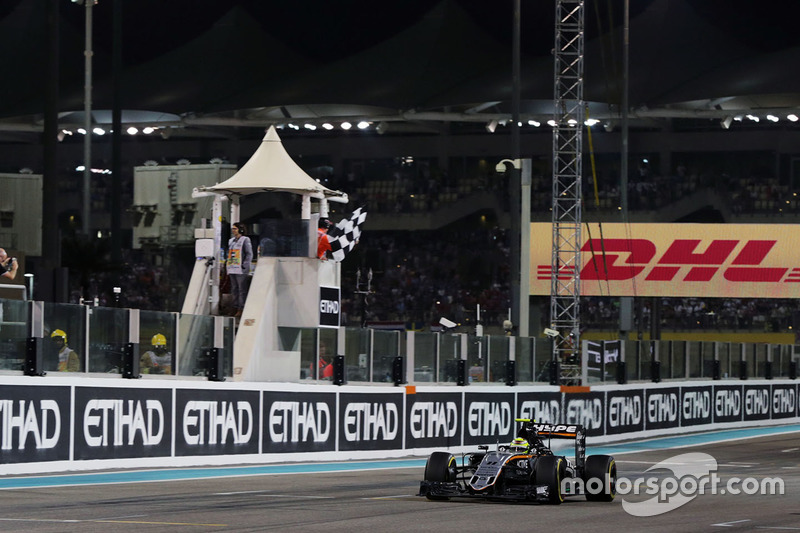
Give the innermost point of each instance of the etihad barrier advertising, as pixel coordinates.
(63, 426)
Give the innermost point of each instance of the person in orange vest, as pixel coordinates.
(323, 242)
(68, 360)
(324, 365)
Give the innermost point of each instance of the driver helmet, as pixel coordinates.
(519, 445)
(159, 340)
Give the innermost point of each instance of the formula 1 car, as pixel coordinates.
(524, 470)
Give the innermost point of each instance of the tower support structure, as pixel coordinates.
(569, 110)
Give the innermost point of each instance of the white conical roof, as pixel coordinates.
(271, 169)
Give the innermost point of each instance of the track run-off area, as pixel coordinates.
(380, 495)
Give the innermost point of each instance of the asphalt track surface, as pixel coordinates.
(381, 496)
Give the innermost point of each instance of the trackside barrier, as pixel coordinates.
(105, 340)
(110, 341)
(63, 423)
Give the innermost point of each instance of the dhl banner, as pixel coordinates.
(703, 260)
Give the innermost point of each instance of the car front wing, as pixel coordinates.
(445, 489)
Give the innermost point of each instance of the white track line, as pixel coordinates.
(730, 524)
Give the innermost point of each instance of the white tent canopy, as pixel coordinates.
(271, 169)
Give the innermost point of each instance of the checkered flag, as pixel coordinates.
(345, 234)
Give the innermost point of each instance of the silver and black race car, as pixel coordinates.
(524, 470)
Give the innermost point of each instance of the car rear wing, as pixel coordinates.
(562, 431)
(558, 431)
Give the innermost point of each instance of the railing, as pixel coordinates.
(635, 360)
(202, 346)
(81, 338)
(377, 356)
(22, 290)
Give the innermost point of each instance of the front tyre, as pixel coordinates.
(441, 467)
(550, 471)
(604, 469)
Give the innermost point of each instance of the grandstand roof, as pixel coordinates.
(203, 67)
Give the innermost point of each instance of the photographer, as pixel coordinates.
(8, 265)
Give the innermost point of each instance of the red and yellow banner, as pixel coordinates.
(703, 260)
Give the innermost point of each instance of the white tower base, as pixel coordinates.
(284, 292)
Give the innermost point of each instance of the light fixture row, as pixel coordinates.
(362, 125)
(491, 126)
(727, 121)
(99, 131)
(80, 168)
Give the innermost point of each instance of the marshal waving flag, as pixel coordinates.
(345, 234)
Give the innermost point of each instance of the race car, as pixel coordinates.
(524, 470)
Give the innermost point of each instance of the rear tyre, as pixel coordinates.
(550, 471)
(441, 466)
(604, 469)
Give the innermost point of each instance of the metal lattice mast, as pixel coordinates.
(567, 165)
